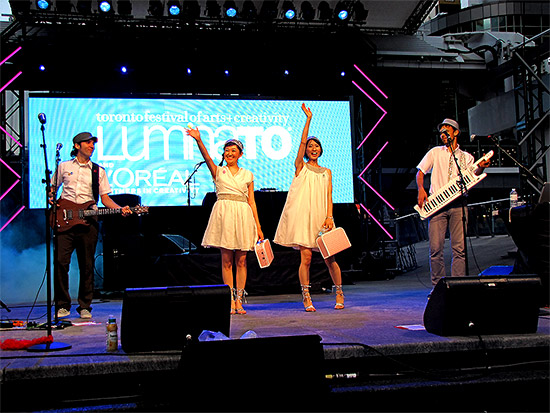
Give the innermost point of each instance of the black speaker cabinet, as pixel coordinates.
(160, 318)
(277, 374)
(462, 306)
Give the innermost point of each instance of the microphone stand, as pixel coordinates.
(464, 192)
(197, 166)
(50, 215)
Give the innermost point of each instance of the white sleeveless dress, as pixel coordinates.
(231, 224)
(305, 209)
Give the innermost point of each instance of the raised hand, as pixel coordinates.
(307, 111)
(194, 133)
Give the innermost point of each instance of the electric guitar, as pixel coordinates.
(70, 213)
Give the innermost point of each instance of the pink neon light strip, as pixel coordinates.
(6, 132)
(375, 156)
(9, 189)
(375, 220)
(379, 120)
(8, 58)
(7, 84)
(371, 82)
(7, 166)
(12, 218)
(376, 192)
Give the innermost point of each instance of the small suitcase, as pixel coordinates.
(264, 253)
(332, 242)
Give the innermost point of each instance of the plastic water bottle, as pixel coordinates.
(112, 334)
(513, 198)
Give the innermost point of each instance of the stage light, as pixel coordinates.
(325, 12)
(249, 10)
(269, 10)
(124, 7)
(342, 73)
(105, 6)
(343, 11)
(213, 9)
(174, 8)
(42, 68)
(308, 12)
(286, 72)
(43, 4)
(359, 12)
(230, 9)
(84, 7)
(63, 6)
(226, 72)
(189, 71)
(123, 70)
(20, 6)
(191, 10)
(156, 8)
(289, 10)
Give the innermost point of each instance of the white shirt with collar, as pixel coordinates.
(76, 179)
(439, 162)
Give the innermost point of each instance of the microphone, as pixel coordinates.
(42, 118)
(475, 137)
(58, 146)
(199, 164)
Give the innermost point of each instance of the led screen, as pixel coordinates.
(143, 146)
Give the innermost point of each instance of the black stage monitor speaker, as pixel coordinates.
(161, 318)
(462, 306)
(276, 374)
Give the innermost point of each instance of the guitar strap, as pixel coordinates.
(95, 181)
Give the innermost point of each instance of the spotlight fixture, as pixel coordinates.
(174, 8)
(289, 11)
(123, 70)
(20, 6)
(325, 12)
(124, 7)
(43, 5)
(189, 71)
(269, 10)
(84, 7)
(105, 6)
(230, 9)
(156, 8)
(213, 9)
(42, 68)
(308, 12)
(342, 11)
(249, 10)
(63, 6)
(226, 72)
(359, 12)
(191, 9)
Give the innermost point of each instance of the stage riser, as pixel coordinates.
(154, 383)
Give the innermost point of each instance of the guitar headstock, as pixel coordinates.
(140, 209)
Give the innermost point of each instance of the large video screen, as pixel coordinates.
(144, 148)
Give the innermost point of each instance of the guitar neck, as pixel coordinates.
(100, 212)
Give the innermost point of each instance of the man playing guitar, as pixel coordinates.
(83, 182)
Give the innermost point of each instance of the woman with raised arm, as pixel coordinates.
(307, 211)
(233, 226)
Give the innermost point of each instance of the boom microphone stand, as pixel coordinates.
(463, 192)
(50, 214)
(197, 166)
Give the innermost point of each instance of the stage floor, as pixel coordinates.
(386, 315)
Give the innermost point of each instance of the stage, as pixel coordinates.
(376, 356)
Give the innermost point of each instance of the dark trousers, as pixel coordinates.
(83, 239)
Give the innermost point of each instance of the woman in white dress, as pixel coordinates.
(233, 226)
(308, 210)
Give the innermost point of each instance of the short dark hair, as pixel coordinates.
(313, 138)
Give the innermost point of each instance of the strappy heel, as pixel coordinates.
(339, 297)
(306, 298)
(233, 311)
(240, 297)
